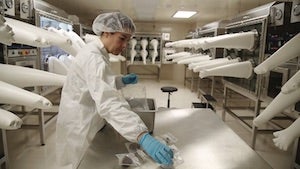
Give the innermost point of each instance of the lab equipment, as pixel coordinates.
(130, 79)
(159, 152)
(113, 22)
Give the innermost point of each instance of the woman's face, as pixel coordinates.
(116, 42)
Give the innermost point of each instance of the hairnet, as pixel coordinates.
(113, 22)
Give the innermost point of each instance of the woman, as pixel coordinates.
(90, 96)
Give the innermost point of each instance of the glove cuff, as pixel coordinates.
(142, 139)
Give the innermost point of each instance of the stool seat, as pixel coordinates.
(168, 89)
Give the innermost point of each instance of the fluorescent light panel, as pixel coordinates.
(184, 14)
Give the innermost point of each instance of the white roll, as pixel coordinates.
(292, 84)
(212, 65)
(194, 59)
(26, 77)
(288, 51)
(194, 65)
(9, 121)
(244, 40)
(14, 95)
(239, 70)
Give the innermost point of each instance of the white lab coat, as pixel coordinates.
(90, 95)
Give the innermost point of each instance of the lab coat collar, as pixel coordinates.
(103, 51)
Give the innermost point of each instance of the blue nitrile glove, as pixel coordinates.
(157, 150)
(130, 79)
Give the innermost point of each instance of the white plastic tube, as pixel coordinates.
(292, 84)
(178, 55)
(26, 77)
(215, 64)
(132, 43)
(189, 43)
(9, 121)
(278, 105)
(239, 70)
(194, 65)
(14, 95)
(187, 57)
(154, 54)
(76, 38)
(57, 66)
(63, 40)
(244, 40)
(132, 55)
(288, 51)
(144, 52)
(66, 59)
(176, 60)
(28, 34)
(133, 52)
(194, 59)
(6, 33)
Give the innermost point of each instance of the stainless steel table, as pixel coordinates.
(204, 140)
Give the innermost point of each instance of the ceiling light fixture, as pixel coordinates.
(184, 14)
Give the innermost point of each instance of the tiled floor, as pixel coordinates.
(25, 151)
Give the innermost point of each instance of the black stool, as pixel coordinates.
(170, 90)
